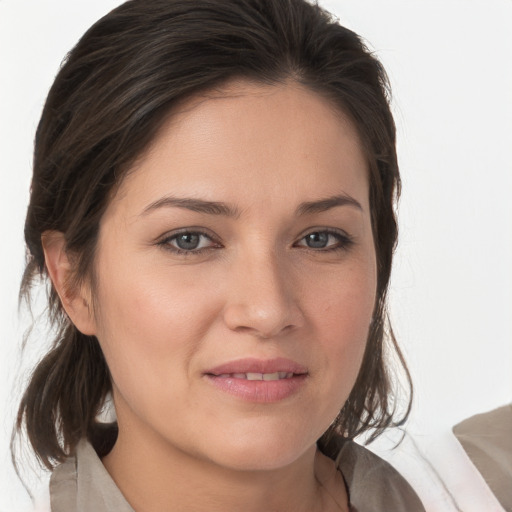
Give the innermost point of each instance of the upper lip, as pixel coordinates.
(253, 365)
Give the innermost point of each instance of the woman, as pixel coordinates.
(212, 201)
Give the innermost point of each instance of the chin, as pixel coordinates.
(258, 460)
(260, 452)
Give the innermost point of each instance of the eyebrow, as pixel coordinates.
(196, 205)
(323, 205)
(220, 208)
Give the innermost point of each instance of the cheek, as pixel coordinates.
(151, 323)
(137, 298)
(343, 314)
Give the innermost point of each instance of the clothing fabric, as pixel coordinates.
(439, 470)
(487, 439)
(373, 484)
(82, 484)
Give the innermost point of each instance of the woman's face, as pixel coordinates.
(238, 248)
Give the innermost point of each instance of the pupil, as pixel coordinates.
(188, 241)
(317, 240)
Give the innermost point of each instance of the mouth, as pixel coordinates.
(257, 376)
(260, 381)
(259, 369)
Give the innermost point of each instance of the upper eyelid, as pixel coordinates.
(331, 231)
(166, 238)
(198, 231)
(165, 242)
(206, 232)
(344, 237)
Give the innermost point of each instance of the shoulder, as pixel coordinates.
(82, 483)
(373, 484)
(487, 440)
(63, 486)
(488, 433)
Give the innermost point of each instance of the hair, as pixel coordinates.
(112, 94)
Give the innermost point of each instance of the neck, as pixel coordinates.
(155, 476)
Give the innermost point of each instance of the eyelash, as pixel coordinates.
(166, 243)
(344, 242)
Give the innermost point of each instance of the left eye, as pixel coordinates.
(188, 241)
(324, 240)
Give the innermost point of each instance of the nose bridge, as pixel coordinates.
(262, 299)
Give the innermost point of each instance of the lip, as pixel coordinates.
(253, 365)
(258, 391)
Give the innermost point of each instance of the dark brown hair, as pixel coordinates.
(113, 92)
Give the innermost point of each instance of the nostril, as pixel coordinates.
(263, 313)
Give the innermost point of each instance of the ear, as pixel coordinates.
(76, 302)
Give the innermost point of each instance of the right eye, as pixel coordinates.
(188, 242)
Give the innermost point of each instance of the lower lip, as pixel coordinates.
(259, 391)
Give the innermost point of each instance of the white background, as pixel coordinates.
(450, 64)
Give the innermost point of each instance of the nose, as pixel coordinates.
(263, 297)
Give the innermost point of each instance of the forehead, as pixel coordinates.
(274, 140)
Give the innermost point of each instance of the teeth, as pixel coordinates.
(258, 376)
(254, 376)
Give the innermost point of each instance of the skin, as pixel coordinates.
(256, 289)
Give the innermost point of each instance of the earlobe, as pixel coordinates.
(76, 301)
